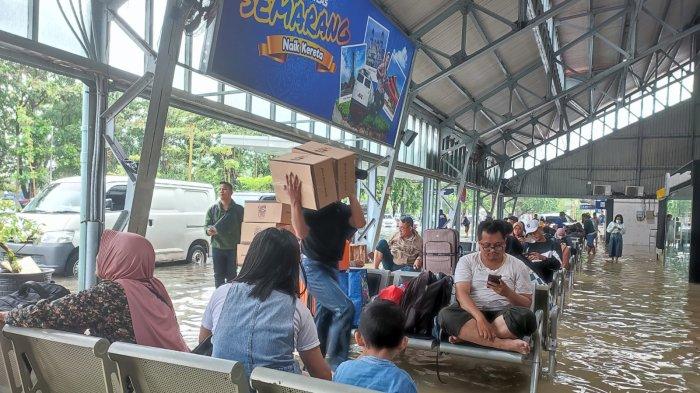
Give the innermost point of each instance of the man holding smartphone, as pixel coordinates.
(494, 294)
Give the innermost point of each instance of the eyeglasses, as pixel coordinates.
(492, 247)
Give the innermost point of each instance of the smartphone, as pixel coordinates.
(494, 278)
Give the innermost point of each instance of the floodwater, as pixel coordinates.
(630, 326)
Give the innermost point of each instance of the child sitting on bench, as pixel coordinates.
(382, 338)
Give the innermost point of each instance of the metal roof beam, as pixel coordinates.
(527, 70)
(478, 25)
(495, 44)
(439, 18)
(547, 43)
(592, 11)
(597, 78)
(659, 31)
(629, 41)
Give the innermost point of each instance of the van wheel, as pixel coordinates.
(72, 264)
(197, 254)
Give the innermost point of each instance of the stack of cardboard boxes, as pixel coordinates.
(258, 216)
(327, 174)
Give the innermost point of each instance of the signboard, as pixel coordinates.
(342, 61)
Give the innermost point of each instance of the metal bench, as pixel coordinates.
(547, 307)
(157, 370)
(57, 362)
(266, 380)
(9, 375)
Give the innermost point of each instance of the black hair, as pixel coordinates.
(513, 218)
(226, 184)
(382, 325)
(273, 262)
(509, 227)
(492, 227)
(621, 219)
(562, 214)
(407, 220)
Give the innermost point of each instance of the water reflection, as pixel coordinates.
(628, 327)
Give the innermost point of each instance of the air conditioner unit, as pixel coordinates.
(634, 191)
(602, 189)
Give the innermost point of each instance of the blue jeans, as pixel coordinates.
(225, 268)
(334, 311)
(388, 259)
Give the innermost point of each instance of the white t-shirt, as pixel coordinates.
(513, 272)
(305, 336)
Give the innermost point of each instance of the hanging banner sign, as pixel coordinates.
(341, 61)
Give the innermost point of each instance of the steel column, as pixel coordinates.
(168, 50)
(92, 155)
(470, 142)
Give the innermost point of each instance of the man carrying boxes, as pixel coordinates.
(313, 185)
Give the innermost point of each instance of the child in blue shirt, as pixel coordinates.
(381, 336)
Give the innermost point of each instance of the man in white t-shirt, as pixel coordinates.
(494, 294)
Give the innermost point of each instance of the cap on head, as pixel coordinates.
(531, 226)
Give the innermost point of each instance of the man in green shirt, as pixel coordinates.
(223, 224)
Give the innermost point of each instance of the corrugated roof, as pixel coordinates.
(484, 76)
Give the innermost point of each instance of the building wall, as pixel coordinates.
(637, 232)
(640, 154)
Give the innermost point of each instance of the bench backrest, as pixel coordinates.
(156, 370)
(62, 362)
(266, 380)
(401, 277)
(9, 375)
(377, 279)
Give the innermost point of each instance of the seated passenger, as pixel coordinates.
(258, 319)
(513, 246)
(561, 238)
(519, 231)
(542, 255)
(128, 305)
(493, 313)
(403, 252)
(381, 336)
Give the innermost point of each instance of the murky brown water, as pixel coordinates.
(631, 326)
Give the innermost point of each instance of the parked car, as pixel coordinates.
(244, 196)
(388, 221)
(175, 224)
(552, 218)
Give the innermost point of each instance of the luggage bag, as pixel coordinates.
(441, 250)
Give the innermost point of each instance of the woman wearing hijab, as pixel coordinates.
(519, 231)
(128, 305)
(616, 229)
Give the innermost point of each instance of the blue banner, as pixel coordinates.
(342, 61)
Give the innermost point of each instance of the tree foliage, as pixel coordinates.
(40, 117)
(40, 136)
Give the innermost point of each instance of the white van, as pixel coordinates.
(175, 224)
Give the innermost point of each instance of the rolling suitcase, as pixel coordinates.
(440, 250)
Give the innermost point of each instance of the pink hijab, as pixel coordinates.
(129, 260)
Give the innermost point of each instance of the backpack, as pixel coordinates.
(441, 250)
(30, 293)
(423, 299)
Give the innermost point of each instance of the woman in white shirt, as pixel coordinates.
(616, 229)
(258, 319)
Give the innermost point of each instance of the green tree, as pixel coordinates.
(40, 117)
